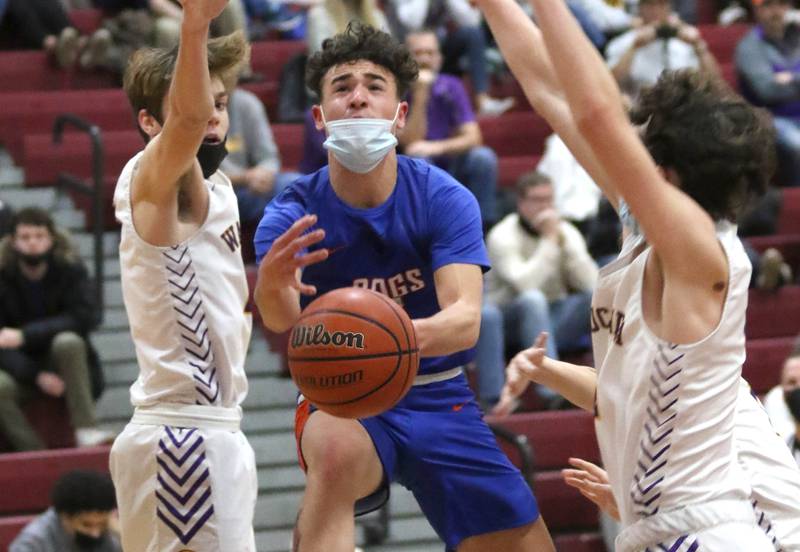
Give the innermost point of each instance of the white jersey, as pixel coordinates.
(665, 412)
(186, 304)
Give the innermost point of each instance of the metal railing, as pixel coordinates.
(93, 189)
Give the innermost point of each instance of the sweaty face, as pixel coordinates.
(358, 89)
(32, 240)
(425, 49)
(535, 200)
(654, 12)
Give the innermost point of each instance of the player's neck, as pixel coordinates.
(364, 191)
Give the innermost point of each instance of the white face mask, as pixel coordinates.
(360, 144)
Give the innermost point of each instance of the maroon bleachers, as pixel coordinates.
(765, 358)
(515, 134)
(31, 70)
(722, 40)
(580, 542)
(789, 219)
(27, 477)
(35, 112)
(86, 20)
(510, 168)
(773, 314)
(10, 527)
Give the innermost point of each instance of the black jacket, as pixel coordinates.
(69, 305)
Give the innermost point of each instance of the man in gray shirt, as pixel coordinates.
(79, 519)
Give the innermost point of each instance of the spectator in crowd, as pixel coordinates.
(576, 194)
(331, 17)
(79, 520)
(609, 18)
(253, 162)
(769, 70)
(662, 41)
(47, 309)
(541, 278)
(457, 24)
(43, 24)
(442, 128)
(783, 402)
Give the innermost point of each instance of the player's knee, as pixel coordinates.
(338, 462)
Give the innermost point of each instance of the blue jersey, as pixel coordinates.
(429, 221)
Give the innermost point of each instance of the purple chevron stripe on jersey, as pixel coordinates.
(183, 495)
(655, 443)
(682, 544)
(179, 442)
(190, 316)
(186, 537)
(766, 526)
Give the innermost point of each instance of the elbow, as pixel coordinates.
(472, 329)
(595, 118)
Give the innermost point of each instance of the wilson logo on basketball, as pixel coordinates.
(319, 335)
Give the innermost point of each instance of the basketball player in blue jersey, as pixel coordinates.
(404, 228)
(668, 315)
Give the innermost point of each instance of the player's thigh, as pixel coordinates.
(531, 537)
(340, 451)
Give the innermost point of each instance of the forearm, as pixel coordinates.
(622, 69)
(453, 329)
(190, 94)
(575, 383)
(458, 144)
(708, 62)
(279, 308)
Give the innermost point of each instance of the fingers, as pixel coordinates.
(541, 341)
(311, 258)
(599, 473)
(295, 230)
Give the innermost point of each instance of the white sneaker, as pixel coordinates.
(493, 107)
(92, 437)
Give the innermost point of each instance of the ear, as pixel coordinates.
(402, 116)
(148, 123)
(316, 113)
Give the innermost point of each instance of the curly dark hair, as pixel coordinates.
(362, 42)
(721, 147)
(81, 491)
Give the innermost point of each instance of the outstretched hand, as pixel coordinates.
(519, 373)
(201, 12)
(592, 482)
(281, 267)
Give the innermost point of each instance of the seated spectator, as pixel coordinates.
(767, 63)
(79, 520)
(253, 163)
(541, 278)
(608, 18)
(441, 126)
(783, 402)
(458, 26)
(331, 17)
(43, 24)
(638, 57)
(576, 194)
(47, 309)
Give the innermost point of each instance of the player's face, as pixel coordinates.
(790, 377)
(217, 126)
(93, 524)
(30, 239)
(536, 199)
(425, 49)
(360, 89)
(655, 11)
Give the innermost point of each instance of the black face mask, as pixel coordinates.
(86, 542)
(210, 156)
(34, 260)
(793, 402)
(527, 226)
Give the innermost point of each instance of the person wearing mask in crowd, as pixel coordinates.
(47, 309)
(81, 518)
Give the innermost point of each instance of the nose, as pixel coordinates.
(358, 98)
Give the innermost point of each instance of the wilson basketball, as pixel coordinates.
(353, 353)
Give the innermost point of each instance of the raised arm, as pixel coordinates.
(679, 230)
(168, 162)
(524, 50)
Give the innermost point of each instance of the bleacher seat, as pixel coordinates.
(516, 133)
(86, 20)
(10, 527)
(31, 70)
(722, 40)
(765, 358)
(773, 314)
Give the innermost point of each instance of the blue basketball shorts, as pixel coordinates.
(436, 444)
